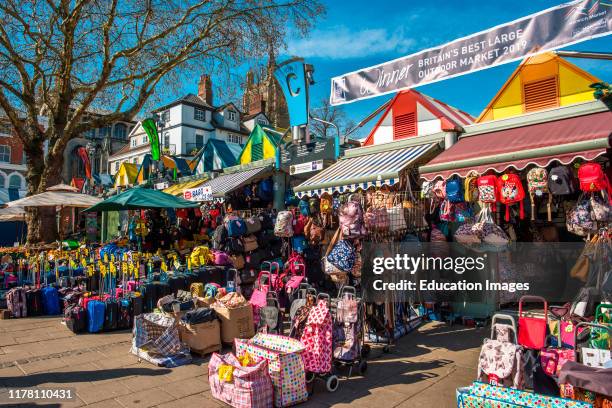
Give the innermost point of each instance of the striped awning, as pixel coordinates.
(361, 172)
(178, 189)
(227, 183)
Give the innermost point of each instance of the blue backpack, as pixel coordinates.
(266, 189)
(298, 243)
(454, 190)
(304, 208)
(50, 302)
(236, 228)
(95, 316)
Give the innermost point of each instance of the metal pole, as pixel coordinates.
(585, 54)
(336, 139)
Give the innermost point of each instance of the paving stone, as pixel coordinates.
(184, 388)
(146, 398)
(99, 392)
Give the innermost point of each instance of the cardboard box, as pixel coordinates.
(202, 338)
(236, 323)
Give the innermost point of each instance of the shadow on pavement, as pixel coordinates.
(78, 376)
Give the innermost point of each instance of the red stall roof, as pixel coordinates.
(585, 137)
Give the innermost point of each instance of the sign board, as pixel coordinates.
(291, 77)
(547, 30)
(203, 193)
(306, 167)
(162, 186)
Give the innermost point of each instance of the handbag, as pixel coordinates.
(342, 255)
(253, 224)
(237, 261)
(250, 243)
(376, 219)
(397, 221)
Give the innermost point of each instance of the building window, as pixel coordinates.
(15, 181)
(134, 142)
(166, 140)
(262, 121)
(104, 132)
(6, 129)
(199, 114)
(116, 166)
(144, 140)
(199, 139)
(5, 153)
(120, 131)
(165, 116)
(232, 138)
(2, 180)
(90, 134)
(231, 115)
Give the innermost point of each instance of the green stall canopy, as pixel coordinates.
(141, 198)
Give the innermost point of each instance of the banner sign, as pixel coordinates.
(291, 77)
(306, 167)
(203, 193)
(547, 30)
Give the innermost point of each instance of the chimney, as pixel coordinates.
(205, 89)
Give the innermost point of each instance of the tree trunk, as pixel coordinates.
(41, 174)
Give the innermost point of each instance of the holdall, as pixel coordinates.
(481, 395)
(342, 256)
(285, 365)
(251, 386)
(532, 330)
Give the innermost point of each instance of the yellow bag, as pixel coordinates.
(200, 256)
(246, 360)
(226, 373)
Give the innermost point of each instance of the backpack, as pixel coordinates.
(510, 192)
(439, 189)
(220, 237)
(314, 205)
(454, 190)
(299, 224)
(561, 181)
(487, 189)
(351, 220)
(578, 219)
(470, 189)
(265, 190)
(304, 207)
(325, 205)
(284, 224)
(592, 178)
(236, 227)
(537, 184)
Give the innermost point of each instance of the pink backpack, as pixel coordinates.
(351, 220)
(221, 258)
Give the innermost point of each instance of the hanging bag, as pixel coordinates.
(511, 192)
(259, 296)
(537, 184)
(397, 221)
(532, 330)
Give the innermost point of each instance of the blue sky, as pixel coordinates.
(358, 33)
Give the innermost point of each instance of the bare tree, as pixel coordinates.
(329, 113)
(62, 59)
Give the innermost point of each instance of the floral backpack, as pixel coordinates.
(578, 219)
(511, 192)
(487, 189)
(537, 184)
(284, 224)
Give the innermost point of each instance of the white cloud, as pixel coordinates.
(341, 42)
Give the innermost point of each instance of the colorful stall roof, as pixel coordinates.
(411, 113)
(262, 144)
(126, 175)
(544, 81)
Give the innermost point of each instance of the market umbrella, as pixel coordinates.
(140, 198)
(12, 214)
(51, 198)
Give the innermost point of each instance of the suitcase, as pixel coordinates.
(111, 315)
(213, 274)
(149, 296)
(176, 283)
(125, 314)
(76, 319)
(95, 316)
(137, 305)
(50, 301)
(34, 302)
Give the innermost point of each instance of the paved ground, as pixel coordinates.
(422, 370)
